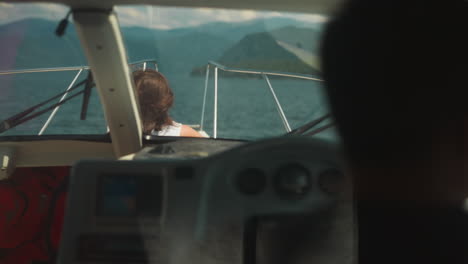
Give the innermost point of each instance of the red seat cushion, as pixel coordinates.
(32, 204)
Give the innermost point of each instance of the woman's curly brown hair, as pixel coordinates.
(155, 97)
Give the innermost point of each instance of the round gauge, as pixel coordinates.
(251, 181)
(292, 181)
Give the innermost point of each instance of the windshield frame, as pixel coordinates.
(124, 122)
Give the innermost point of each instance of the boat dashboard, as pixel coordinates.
(210, 201)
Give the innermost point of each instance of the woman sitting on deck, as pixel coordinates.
(156, 98)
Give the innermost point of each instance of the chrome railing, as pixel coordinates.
(264, 74)
(145, 64)
(58, 69)
(52, 115)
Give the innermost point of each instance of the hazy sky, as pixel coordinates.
(147, 16)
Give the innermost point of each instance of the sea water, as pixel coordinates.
(246, 108)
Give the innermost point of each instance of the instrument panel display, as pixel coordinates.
(126, 195)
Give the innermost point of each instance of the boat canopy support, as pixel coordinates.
(216, 66)
(278, 104)
(52, 115)
(101, 39)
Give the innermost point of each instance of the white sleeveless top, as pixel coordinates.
(171, 130)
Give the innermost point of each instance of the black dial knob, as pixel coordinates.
(251, 181)
(292, 181)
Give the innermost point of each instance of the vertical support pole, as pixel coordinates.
(103, 45)
(202, 121)
(46, 124)
(278, 105)
(215, 118)
(144, 66)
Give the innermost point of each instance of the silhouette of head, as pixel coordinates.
(395, 74)
(155, 97)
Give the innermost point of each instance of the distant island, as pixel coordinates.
(275, 44)
(285, 50)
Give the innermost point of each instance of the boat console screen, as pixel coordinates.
(128, 195)
(247, 204)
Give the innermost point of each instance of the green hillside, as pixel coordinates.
(304, 38)
(178, 54)
(262, 51)
(31, 43)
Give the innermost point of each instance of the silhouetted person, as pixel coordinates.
(396, 74)
(156, 98)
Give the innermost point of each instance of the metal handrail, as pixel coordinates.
(264, 74)
(278, 105)
(215, 108)
(215, 65)
(80, 69)
(145, 62)
(202, 120)
(70, 68)
(56, 69)
(52, 115)
(273, 73)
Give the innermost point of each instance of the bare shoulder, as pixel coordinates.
(187, 131)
